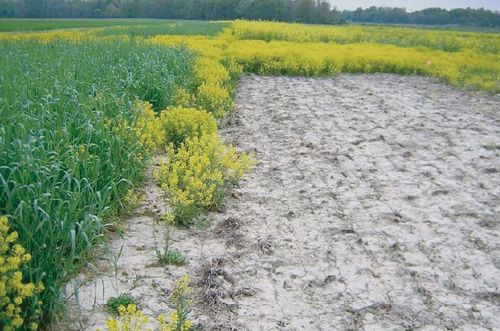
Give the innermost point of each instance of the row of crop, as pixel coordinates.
(464, 68)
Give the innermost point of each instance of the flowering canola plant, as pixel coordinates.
(147, 128)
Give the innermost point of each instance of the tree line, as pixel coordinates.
(306, 11)
(429, 16)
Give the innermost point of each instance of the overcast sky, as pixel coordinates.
(417, 4)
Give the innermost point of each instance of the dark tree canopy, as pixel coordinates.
(429, 16)
(310, 11)
(307, 11)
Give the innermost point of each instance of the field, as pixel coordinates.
(118, 128)
(180, 27)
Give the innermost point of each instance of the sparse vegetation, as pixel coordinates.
(132, 319)
(182, 301)
(166, 254)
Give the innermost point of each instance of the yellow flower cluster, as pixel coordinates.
(120, 127)
(13, 291)
(182, 291)
(132, 199)
(200, 172)
(350, 34)
(147, 128)
(174, 323)
(181, 297)
(130, 319)
(179, 123)
(45, 37)
(213, 92)
(199, 167)
(71, 35)
(212, 70)
(172, 125)
(183, 98)
(466, 67)
(133, 319)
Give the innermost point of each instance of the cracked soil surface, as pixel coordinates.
(374, 205)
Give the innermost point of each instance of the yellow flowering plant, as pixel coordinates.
(199, 173)
(133, 199)
(147, 127)
(182, 300)
(174, 323)
(178, 124)
(130, 319)
(13, 291)
(133, 319)
(214, 97)
(182, 98)
(214, 73)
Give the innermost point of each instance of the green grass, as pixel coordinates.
(27, 24)
(143, 27)
(64, 170)
(171, 28)
(114, 303)
(171, 257)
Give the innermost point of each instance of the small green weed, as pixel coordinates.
(166, 254)
(122, 300)
(170, 256)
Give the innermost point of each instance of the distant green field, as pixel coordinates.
(143, 27)
(167, 28)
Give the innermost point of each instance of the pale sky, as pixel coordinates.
(417, 4)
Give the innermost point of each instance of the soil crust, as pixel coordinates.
(374, 205)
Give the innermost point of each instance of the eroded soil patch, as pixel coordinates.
(375, 204)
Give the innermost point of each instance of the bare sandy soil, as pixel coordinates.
(374, 206)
